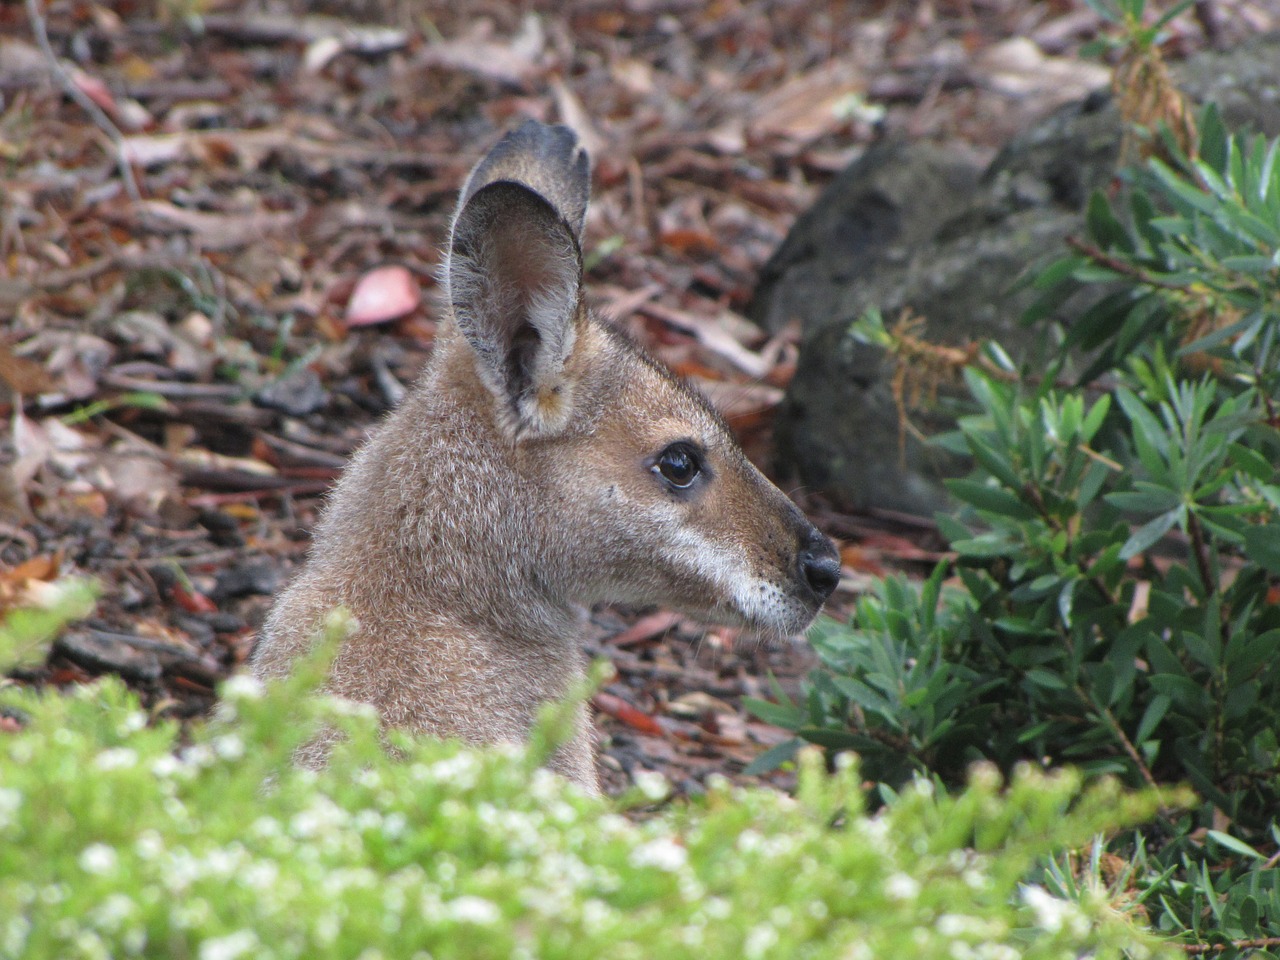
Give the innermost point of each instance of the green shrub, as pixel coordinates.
(1112, 603)
(120, 837)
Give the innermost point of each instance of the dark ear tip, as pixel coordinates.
(547, 159)
(504, 200)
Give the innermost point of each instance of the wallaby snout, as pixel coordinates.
(819, 564)
(542, 464)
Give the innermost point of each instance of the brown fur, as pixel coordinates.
(517, 484)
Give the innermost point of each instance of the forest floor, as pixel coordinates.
(219, 234)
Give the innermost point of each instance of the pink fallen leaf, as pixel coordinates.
(383, 294)
(95, 90)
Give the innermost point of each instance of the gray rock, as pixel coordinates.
(296, 395)
(914, 226)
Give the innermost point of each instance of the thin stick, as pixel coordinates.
(95, 112)
(1199, 949)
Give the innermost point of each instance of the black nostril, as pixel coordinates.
(820, 565)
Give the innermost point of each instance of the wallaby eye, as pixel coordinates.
(679, 465)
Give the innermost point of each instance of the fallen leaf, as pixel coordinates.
(135, 476)
(20, 61)
(857, 558)
(619, 709)
(690, 242)
(712, 333)
(42, 567)
(33, 448)
(809, 105)
(216, 231)
(646, 628)
(23, 376)
(383, 294)
(1016, 68)
(513, 62)
(94, 89)
(696, 703)
(575, 115)
(192, 601)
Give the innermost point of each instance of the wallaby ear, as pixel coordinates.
(514, 276)
(548, 160)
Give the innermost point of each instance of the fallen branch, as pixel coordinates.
(1200, 949)
(95, 112)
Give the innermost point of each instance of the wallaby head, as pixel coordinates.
(542, 464)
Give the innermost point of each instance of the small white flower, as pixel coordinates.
(544, 785)
(760, 941)
(901, 887)
(475, 910)
(229, 747)
(10, 801)
(98, 858)
(717, 908)
(595, 914)
(13, 937)
(165, 766)
(113, 912)
(1051, 912)
(260, 875)
(462, 770)
(116, 758)
(230, 947)
(663, 853)
(923, 787)
(749, 841)
(198, 755)
(394, 825)
(952, 924)
(54, 893)
(242, 686)
(652, 785)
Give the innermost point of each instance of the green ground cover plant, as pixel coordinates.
(122, 837)
(1112, 603)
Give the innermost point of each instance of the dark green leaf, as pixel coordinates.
(1235, 845)
(1149, 533)
(774, 757)
(863, 695)
(787, 717)
(1152, 716)
(1047, 680)
(832, 739)
(1262, 546)
(1148, 499)
(991, 499)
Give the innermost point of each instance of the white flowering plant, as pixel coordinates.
(122, 836)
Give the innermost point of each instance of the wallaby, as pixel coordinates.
(543, 463)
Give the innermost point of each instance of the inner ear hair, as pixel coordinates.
(514, 278)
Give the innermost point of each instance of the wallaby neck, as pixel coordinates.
(430, 481)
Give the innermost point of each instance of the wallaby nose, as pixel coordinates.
(819, 564)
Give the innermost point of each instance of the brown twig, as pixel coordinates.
(1200, 550)
(1120, 735)
(95, 112)
(1104, 259)
(1210, 22)
(1259, 943)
